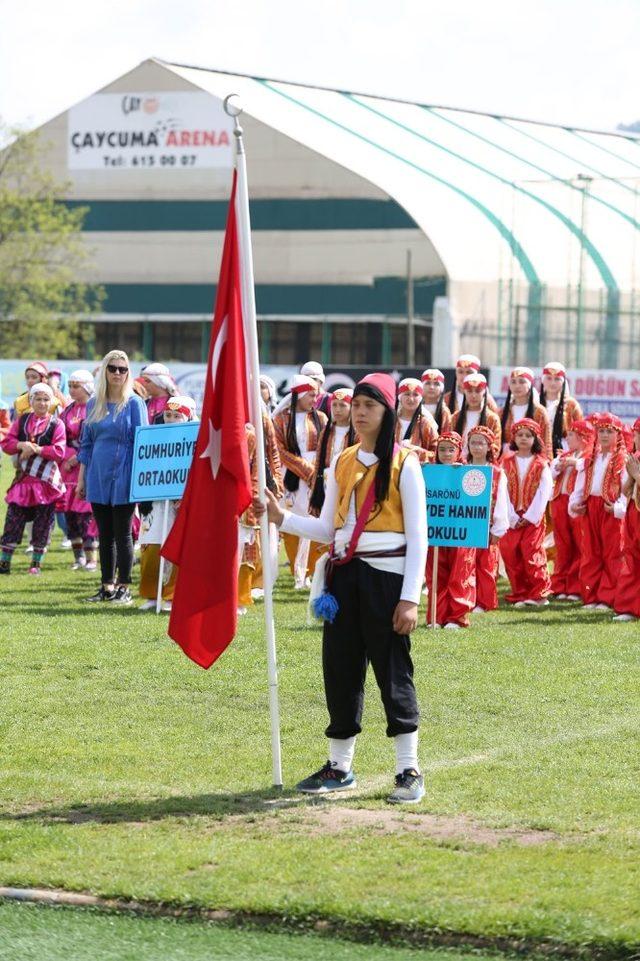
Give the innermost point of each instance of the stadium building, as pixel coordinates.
(374, 221)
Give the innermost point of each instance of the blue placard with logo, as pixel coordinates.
(162, 456)
(458, 504)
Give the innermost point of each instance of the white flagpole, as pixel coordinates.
(251, 339)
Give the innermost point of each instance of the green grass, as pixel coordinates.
(31, 933)
(129, 772)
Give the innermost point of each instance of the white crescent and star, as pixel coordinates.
(213, 450)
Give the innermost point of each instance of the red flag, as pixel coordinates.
(203, 542)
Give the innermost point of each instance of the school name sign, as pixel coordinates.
(162, 456)
(458, 504)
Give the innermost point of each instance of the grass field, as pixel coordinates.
(30, 933)
(129, 772)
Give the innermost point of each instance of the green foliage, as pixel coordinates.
(128, 771)
(43, 257)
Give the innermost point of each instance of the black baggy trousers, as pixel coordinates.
(361, 634)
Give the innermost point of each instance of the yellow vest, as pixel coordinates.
(352, 474)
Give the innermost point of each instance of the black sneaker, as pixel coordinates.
(409, 788)
(327, 779)
(122, 596)
(5, 567)
(102, 594)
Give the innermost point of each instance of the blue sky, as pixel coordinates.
(565, 61)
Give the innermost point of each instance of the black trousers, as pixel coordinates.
(361, 634)
(116, 542)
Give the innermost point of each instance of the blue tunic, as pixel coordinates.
(106, 450)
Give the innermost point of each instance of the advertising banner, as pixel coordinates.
(162, 456)
(617, 391)
(458, 505)
(165, 130)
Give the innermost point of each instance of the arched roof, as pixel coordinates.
(498, 197)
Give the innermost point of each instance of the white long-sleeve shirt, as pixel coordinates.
(599, 469)
(500, 521)
(557, 469)
(537, 507)
(414, 509)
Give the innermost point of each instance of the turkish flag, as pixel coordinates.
(203, 542)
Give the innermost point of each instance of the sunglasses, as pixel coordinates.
(113, 369)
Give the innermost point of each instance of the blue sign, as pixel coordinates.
(162, 456)
(458, 504)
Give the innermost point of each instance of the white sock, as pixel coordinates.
(341, 751)
(406, 752)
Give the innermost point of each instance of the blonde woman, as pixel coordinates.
(105, 456)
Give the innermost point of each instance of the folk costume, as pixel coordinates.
(377, 558)
(565, 580)
(160, 376)
(487, 559)
(438, 410)
(512, 413)
(627, 599)
(151, 527)
(456, 588)
(464, 420)
(598, 486)
(22, 403)
(420, 433)
(38, 484)
(529, 485)
(454, 398)
(297, 435)
(81, 526)
(564, 412)
(250, 544)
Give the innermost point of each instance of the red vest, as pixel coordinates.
(521, 495)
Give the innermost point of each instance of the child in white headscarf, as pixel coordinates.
(81, 526)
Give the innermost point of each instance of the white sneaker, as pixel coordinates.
(166, 607)
(242, 611)
(478, 610)
(65, 544)
(147, 606)
(544, 602)
(573, 597)
(520, 604)
(530, 603)
(452, 627)
(91, 566)
(29, 549)
(561, 597)
(425, 591)
(625, 617)
(590, 607)
(602, 607)
(257, 593)
(78, 566)
(437, 626)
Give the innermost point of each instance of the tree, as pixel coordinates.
(43, 298)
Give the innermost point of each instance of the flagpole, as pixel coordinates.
(251, 339)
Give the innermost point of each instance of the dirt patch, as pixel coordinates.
(336, 819)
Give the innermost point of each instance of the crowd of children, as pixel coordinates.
(553, 471)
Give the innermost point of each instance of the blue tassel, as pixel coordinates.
(325, 607)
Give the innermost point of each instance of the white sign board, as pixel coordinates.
(160, 131)
(617, 391)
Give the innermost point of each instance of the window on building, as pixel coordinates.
(422, 343)
(289, 342)
(110, 336)
(178, 341)
(358, 344)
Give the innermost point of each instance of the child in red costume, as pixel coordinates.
(627, 599)
(456, 565)
(529, 483)
(565, 580)
(480, 451)
(598, 498)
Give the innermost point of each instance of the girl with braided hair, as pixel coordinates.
(521, 402)
(562, 409)
(433, 398)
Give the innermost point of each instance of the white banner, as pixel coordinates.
(160, 131)
(617, 391)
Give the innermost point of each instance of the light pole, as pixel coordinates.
(585, 183)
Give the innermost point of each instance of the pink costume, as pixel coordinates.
(43, 483)
(156, 405)
(73, 418)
